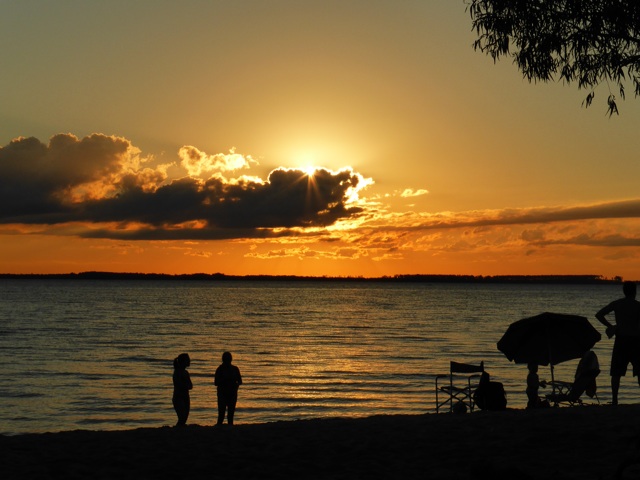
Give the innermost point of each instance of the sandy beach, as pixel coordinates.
(589, 442)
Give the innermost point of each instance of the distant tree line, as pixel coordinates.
(548, 279)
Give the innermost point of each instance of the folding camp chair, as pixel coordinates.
(463, 379)
(584, 382)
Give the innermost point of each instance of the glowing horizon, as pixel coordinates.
(337, 140)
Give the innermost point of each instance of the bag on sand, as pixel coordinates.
(490, 395)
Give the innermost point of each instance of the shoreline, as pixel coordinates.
(588, 442)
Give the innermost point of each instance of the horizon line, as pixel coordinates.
(514, 278)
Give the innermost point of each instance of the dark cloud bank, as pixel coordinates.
(96, 180)
(102, 183)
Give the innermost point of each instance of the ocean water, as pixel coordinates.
(97, 354)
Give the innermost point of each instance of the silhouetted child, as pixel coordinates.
(533, 384)
(181, 386)
(227, 379)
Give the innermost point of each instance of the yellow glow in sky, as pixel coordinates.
(305, 138)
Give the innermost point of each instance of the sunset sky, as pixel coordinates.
(337, 138)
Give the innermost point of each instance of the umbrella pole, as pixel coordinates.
(553, 380)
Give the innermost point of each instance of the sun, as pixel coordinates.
(309, 170)
(306, 162)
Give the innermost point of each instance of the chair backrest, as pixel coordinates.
(588, 366)
(585, 379)
(467, 376)
(457, 367)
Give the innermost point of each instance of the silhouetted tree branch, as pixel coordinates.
(583, 41)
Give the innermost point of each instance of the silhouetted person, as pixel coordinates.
(533, 385)
(227, 379)
(626, 347)
(181, 386)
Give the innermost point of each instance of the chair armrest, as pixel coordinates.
(561, 386)
(559, 383)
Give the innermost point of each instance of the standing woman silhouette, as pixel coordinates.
(181, 386)
(227, 379)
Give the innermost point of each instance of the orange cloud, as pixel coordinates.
(98, 181)
(101, 187)
(197, 163)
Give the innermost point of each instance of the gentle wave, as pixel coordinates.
(99, 353)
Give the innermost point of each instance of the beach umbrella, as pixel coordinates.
(548, 339)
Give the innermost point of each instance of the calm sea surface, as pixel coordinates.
(91, 354)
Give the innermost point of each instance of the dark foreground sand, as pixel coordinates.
(563, 443)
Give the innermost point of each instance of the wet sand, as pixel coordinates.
(589, 442)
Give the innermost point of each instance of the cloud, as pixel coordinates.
(99, 180)
(408, 192)
(41, 180)
(197, 163)
(303, 252)
(102, 187)
(594, 241)
(524, 216)
(600, 226)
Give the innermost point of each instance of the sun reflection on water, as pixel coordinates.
(99, 354)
